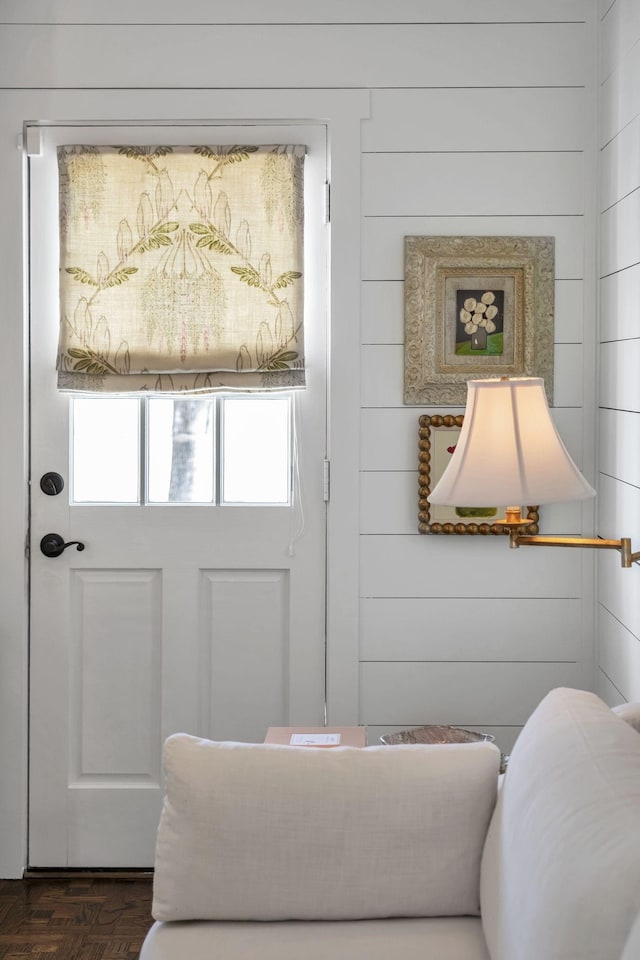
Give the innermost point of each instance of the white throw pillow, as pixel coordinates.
(266, 832)
(560, 877)
(629, 712)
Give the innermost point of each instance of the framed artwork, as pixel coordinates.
(476, 307)
(437, 439)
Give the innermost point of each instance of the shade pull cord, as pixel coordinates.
(297, 506)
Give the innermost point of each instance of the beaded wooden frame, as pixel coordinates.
(464, 525)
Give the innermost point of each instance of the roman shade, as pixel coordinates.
(181, 268)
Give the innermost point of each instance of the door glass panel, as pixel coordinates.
(256, 462)
(180, 462)
(105, 444)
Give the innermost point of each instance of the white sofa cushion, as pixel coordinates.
(629, 712)
(436, 938)
(266, 832)
(560, 874)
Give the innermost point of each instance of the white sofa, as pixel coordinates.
(407, 852)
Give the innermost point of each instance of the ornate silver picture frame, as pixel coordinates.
(476, 307)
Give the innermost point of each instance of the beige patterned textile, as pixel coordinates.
(181, 268)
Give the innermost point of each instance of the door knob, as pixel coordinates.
(51, 483)
(52, 544)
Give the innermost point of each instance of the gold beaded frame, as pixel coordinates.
(433, 450)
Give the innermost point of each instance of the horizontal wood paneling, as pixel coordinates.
(422, 566)
(292, 11)
(568, 375)
(569, 311)
(389, 437)
(470, 630)
(619, 447)
(204, 107)
(620, 97)
(619, 655)
(620, 234)
(619, 516)
(389, 504)
(283, 55)
(472, 184)
(620, 165)
(618, 620)
(383, 375)
(383, 239)
(383, 311)
(619, 379)
(619, 31)
(561, 518)
(468, 119)
(617, 602)
(382, 307)
(606, 690)
(460, 693)
(619, 299)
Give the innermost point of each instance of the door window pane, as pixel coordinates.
(256, 463)
(174, 444)
(180, 458)
(105, 444)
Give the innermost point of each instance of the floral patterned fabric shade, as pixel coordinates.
(181, 268)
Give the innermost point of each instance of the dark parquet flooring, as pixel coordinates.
(78, 919)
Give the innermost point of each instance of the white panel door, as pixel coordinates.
(204, 618)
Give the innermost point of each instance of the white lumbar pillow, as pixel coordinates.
(561, 866)
(266, 832)
(629, 712)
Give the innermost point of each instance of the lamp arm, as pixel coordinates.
(623, 545)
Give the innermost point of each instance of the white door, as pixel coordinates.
(176, 616)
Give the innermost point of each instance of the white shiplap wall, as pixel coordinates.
(480, 124)
(618, 622)
(458, 630)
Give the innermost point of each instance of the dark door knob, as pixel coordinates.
(52, 544)
(51, 483)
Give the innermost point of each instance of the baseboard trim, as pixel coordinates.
(83, 873)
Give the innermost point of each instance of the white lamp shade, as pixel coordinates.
(509, 452)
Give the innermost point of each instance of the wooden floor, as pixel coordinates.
(93, 919)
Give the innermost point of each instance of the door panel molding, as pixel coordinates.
(115, 614)
(245, 626)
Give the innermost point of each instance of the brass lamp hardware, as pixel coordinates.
(517, 539)
(509, 451)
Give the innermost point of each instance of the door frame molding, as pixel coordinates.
(342, 112)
